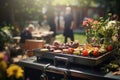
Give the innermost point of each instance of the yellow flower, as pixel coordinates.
(15, 70)
(3, 64)
(1, 56)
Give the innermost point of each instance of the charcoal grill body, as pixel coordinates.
(34, 67)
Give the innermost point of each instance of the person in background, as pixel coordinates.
(68, 25)
(51, 20)
(61, 20)
(26, 34)
(56, 19)
(45, 21)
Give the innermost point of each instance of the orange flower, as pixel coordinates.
(1, 56)
(95, 22)
(87, 22)
(84, 23)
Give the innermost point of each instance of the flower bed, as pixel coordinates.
(9, 72)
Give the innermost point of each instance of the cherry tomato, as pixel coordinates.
(85, 53)
(109, 48)
(70, 50)
(96, 53)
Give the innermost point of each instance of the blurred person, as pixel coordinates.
(68, 25)
(61, 20)
(44, 21)
(51, 20)
(56, 20)
(26, 34)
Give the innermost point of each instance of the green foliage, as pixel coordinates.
(28, 8)
(65, 2)
(85, 3)
(4, 38)
(31, 8)
(103, 32)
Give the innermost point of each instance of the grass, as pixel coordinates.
(79, 37)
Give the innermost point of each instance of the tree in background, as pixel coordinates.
(18, 11)
(111, 6)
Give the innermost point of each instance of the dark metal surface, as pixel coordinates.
(76, 70)
(88, 61)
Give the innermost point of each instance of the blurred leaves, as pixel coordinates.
(65, 2)
(31, 8)
(4, 36)
(25, 10)
(10, 72)
(110, 67)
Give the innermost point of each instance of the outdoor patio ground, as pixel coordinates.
(79, 36)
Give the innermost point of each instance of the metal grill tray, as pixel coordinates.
(88, 61)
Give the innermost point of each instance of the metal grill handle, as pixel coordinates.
(57, 58)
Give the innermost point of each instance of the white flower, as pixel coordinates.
(114, 38)
(111, 24)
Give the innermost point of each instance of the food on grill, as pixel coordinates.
(77, 49)
(70, 50)
(44, 50)
(57, 51)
